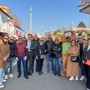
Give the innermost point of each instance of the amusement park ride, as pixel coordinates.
(84, 3)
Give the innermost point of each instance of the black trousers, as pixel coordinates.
(29, 62)
(88, 77)
(39, 64)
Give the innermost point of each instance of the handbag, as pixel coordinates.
(74, 59)
(42, 57)
(87, 62)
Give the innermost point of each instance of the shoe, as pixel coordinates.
(6, 77)
(4, 80)
(40, 73)
(76, 78)
(18, 76)
(82, 78)
(26, 77)
(29, 73)
(71, 78)
(37, 70)
(48, 71)
(11, 76)
(1, 86)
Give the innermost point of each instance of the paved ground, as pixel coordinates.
(47, 81)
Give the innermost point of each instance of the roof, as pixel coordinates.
(86, 9)
(11, 18)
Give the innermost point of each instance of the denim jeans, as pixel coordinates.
(1, 75)
(57, 66)
(49, 62)
(24, 62)
(10, 65)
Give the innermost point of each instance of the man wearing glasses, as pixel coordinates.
(48, 45)
(4, 55)
(82, 44)
(11, 58)
(21, 55)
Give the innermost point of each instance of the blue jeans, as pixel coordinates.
(49, 61)
(11, 65)
(57, 66)
(1, 75)
(24, 62)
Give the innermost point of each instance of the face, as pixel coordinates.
(88, 42)
(80, 38)
(57, 41)
(73, 43)
(29, 37)
(5, 39)
(41, 41)
(20, 39)
(35, 36)
(49, 37)
(11, 39)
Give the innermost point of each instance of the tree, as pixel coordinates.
(81, 24)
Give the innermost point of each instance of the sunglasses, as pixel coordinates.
(11, 39)
(6, 38)
(20, 38)
(79, 38)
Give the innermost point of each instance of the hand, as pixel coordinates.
(26, 47)
(25, 58)
(16, 59)
(83, 62)
(4, 59)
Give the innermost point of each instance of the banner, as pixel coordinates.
(11, 28)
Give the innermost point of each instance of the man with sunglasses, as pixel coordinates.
(11, 59)
(4, 55)
(82, 44)
(48, 45)
(21, 56)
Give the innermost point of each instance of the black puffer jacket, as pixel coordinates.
(56, 50)
(86, 54)
(12, 50)
(48, 45)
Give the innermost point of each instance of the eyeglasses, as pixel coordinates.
(20, 38)
(79, 38)
(11, 39)
(56, 40)
(6, 38)
(41, 40)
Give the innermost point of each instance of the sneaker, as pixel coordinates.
(11, 76)
(6, 77)
(71, 78)
(1, 86)
(82, 78)
(76, 78)
(4, 80)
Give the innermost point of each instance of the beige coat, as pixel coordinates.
(72, 67)
(4, 53)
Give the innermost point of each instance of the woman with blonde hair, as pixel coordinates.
(73, 63)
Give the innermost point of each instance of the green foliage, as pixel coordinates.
(81, 24)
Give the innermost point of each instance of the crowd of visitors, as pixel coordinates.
(39, 50)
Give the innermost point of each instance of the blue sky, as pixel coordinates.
(48, 15)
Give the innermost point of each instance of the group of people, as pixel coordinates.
(40, 49)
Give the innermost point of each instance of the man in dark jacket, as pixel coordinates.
(85, 57)
(11, 59)
(48, 45)
(33, 48)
